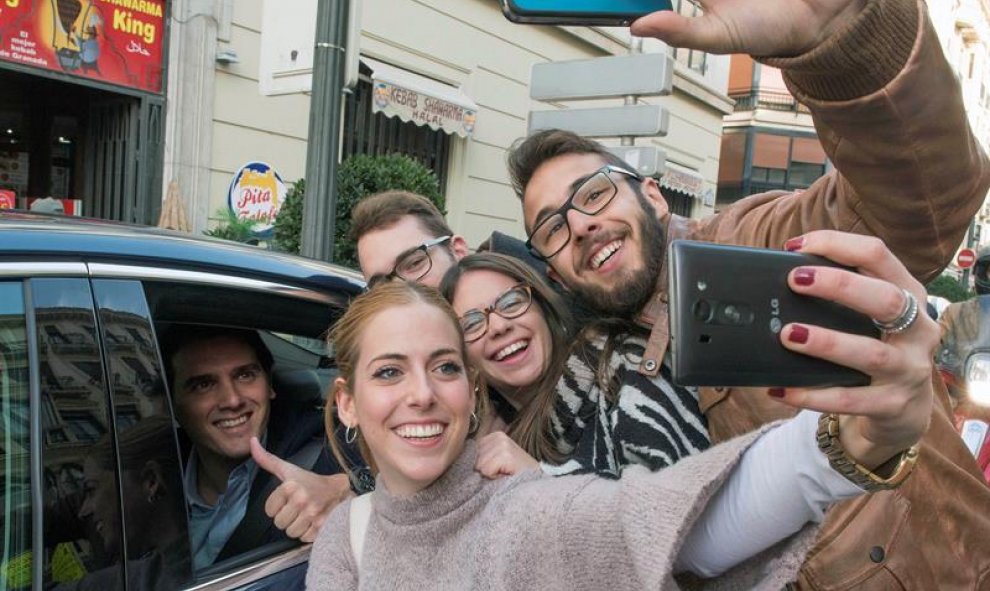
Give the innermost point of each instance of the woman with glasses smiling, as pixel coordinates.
(569, 395)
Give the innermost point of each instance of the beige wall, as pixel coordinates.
(464, 43)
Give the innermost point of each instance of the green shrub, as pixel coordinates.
(357, 177)
(949, 288)
(233, 228)
(288, 222)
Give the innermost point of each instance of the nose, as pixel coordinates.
(498, 325)
(230, 396)
(420, 394)
(86, 509)
(581, 225)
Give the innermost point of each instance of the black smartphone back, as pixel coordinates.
(617, 13)
(728, 305)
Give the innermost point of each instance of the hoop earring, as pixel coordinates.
(474, 422)
(350, 434)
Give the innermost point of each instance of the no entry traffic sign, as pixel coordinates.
(966, 258)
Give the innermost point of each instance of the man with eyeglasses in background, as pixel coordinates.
(403, 235)
(908, 169)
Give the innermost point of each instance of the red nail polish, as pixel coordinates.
(798, 334)
(776, 392)
(804, 276)
(794, 243)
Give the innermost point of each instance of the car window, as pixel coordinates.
(229, 531)
(156, 542)
(83, 529)
(15, 444)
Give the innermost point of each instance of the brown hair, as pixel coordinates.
(532, 428)
(345, 337)
(385, 209)
(528, 154)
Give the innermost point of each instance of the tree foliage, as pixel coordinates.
(949, 288)
(357, 177)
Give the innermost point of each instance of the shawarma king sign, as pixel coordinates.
(114, 41)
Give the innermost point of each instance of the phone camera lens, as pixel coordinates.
(702, 310)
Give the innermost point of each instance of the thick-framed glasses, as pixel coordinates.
(413, 264)
(511, 303)
(552, 234)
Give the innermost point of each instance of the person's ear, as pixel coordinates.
(459, 247)
(651, 191)
(344, 400)
(152, 481)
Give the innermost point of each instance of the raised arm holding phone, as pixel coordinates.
(908, 171)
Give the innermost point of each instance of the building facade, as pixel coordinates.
(82, 105)
(769, 140)
(240, 77)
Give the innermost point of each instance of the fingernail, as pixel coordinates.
(776, 392)
(804, 276)
(798, 334)
(794, 243)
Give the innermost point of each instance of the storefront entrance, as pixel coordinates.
(93, 152)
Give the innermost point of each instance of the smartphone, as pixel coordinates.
(728, 305)
(612, 13)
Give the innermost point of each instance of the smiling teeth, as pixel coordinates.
(509, 350)
(229, 423)
(419, 431)
(602, 255)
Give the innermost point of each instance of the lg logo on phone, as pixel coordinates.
(775, 323)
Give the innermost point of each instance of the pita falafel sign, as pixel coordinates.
(256, 193)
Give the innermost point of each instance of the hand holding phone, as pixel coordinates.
(728, 305)
(615, 13)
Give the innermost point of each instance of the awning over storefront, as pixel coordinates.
(683, 180)
(411, 97)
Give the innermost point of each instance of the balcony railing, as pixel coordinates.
(768, 99)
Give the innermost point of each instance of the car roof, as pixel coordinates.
(33, 237)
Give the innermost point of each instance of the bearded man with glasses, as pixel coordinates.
(908, 169)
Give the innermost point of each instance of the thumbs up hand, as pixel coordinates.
(301, 504)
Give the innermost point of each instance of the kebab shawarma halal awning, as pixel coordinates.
(421, 100)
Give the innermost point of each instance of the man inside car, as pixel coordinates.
(240, 495)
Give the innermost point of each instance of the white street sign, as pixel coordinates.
(643, 74)
(628, 120)
(646, 160)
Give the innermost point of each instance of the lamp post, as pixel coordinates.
(323, 153)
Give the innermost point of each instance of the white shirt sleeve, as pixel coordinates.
(781, 483)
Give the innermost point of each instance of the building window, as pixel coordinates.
(690, 58)
(776, 162)
(366, 132)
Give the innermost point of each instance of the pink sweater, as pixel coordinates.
(534, 532)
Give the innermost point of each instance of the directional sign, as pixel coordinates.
(644, 74)
(646, 160)
(966, 258)
(630, 120)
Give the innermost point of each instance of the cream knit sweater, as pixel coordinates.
(535, 532)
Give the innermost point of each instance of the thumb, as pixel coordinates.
(270, 462)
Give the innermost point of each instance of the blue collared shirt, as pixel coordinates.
(210, 526)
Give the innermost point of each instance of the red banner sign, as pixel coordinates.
(114, 41)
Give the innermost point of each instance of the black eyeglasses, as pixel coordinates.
(552, 234)
(511, 303)
(413, 264)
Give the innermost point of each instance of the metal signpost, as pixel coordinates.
(628, 76)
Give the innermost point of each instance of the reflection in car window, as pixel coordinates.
(82, 510)
(156, 535)
(15, 529)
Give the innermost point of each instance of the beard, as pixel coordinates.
(629, 294)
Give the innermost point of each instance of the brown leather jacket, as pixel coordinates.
(889, 113)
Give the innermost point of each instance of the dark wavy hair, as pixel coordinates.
(531, 428)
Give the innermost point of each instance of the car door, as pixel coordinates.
(289, 321)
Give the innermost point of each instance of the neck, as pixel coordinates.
(212, 473)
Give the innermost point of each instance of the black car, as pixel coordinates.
(82, 306)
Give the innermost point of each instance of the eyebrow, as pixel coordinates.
(574, 186)
(402, 357)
